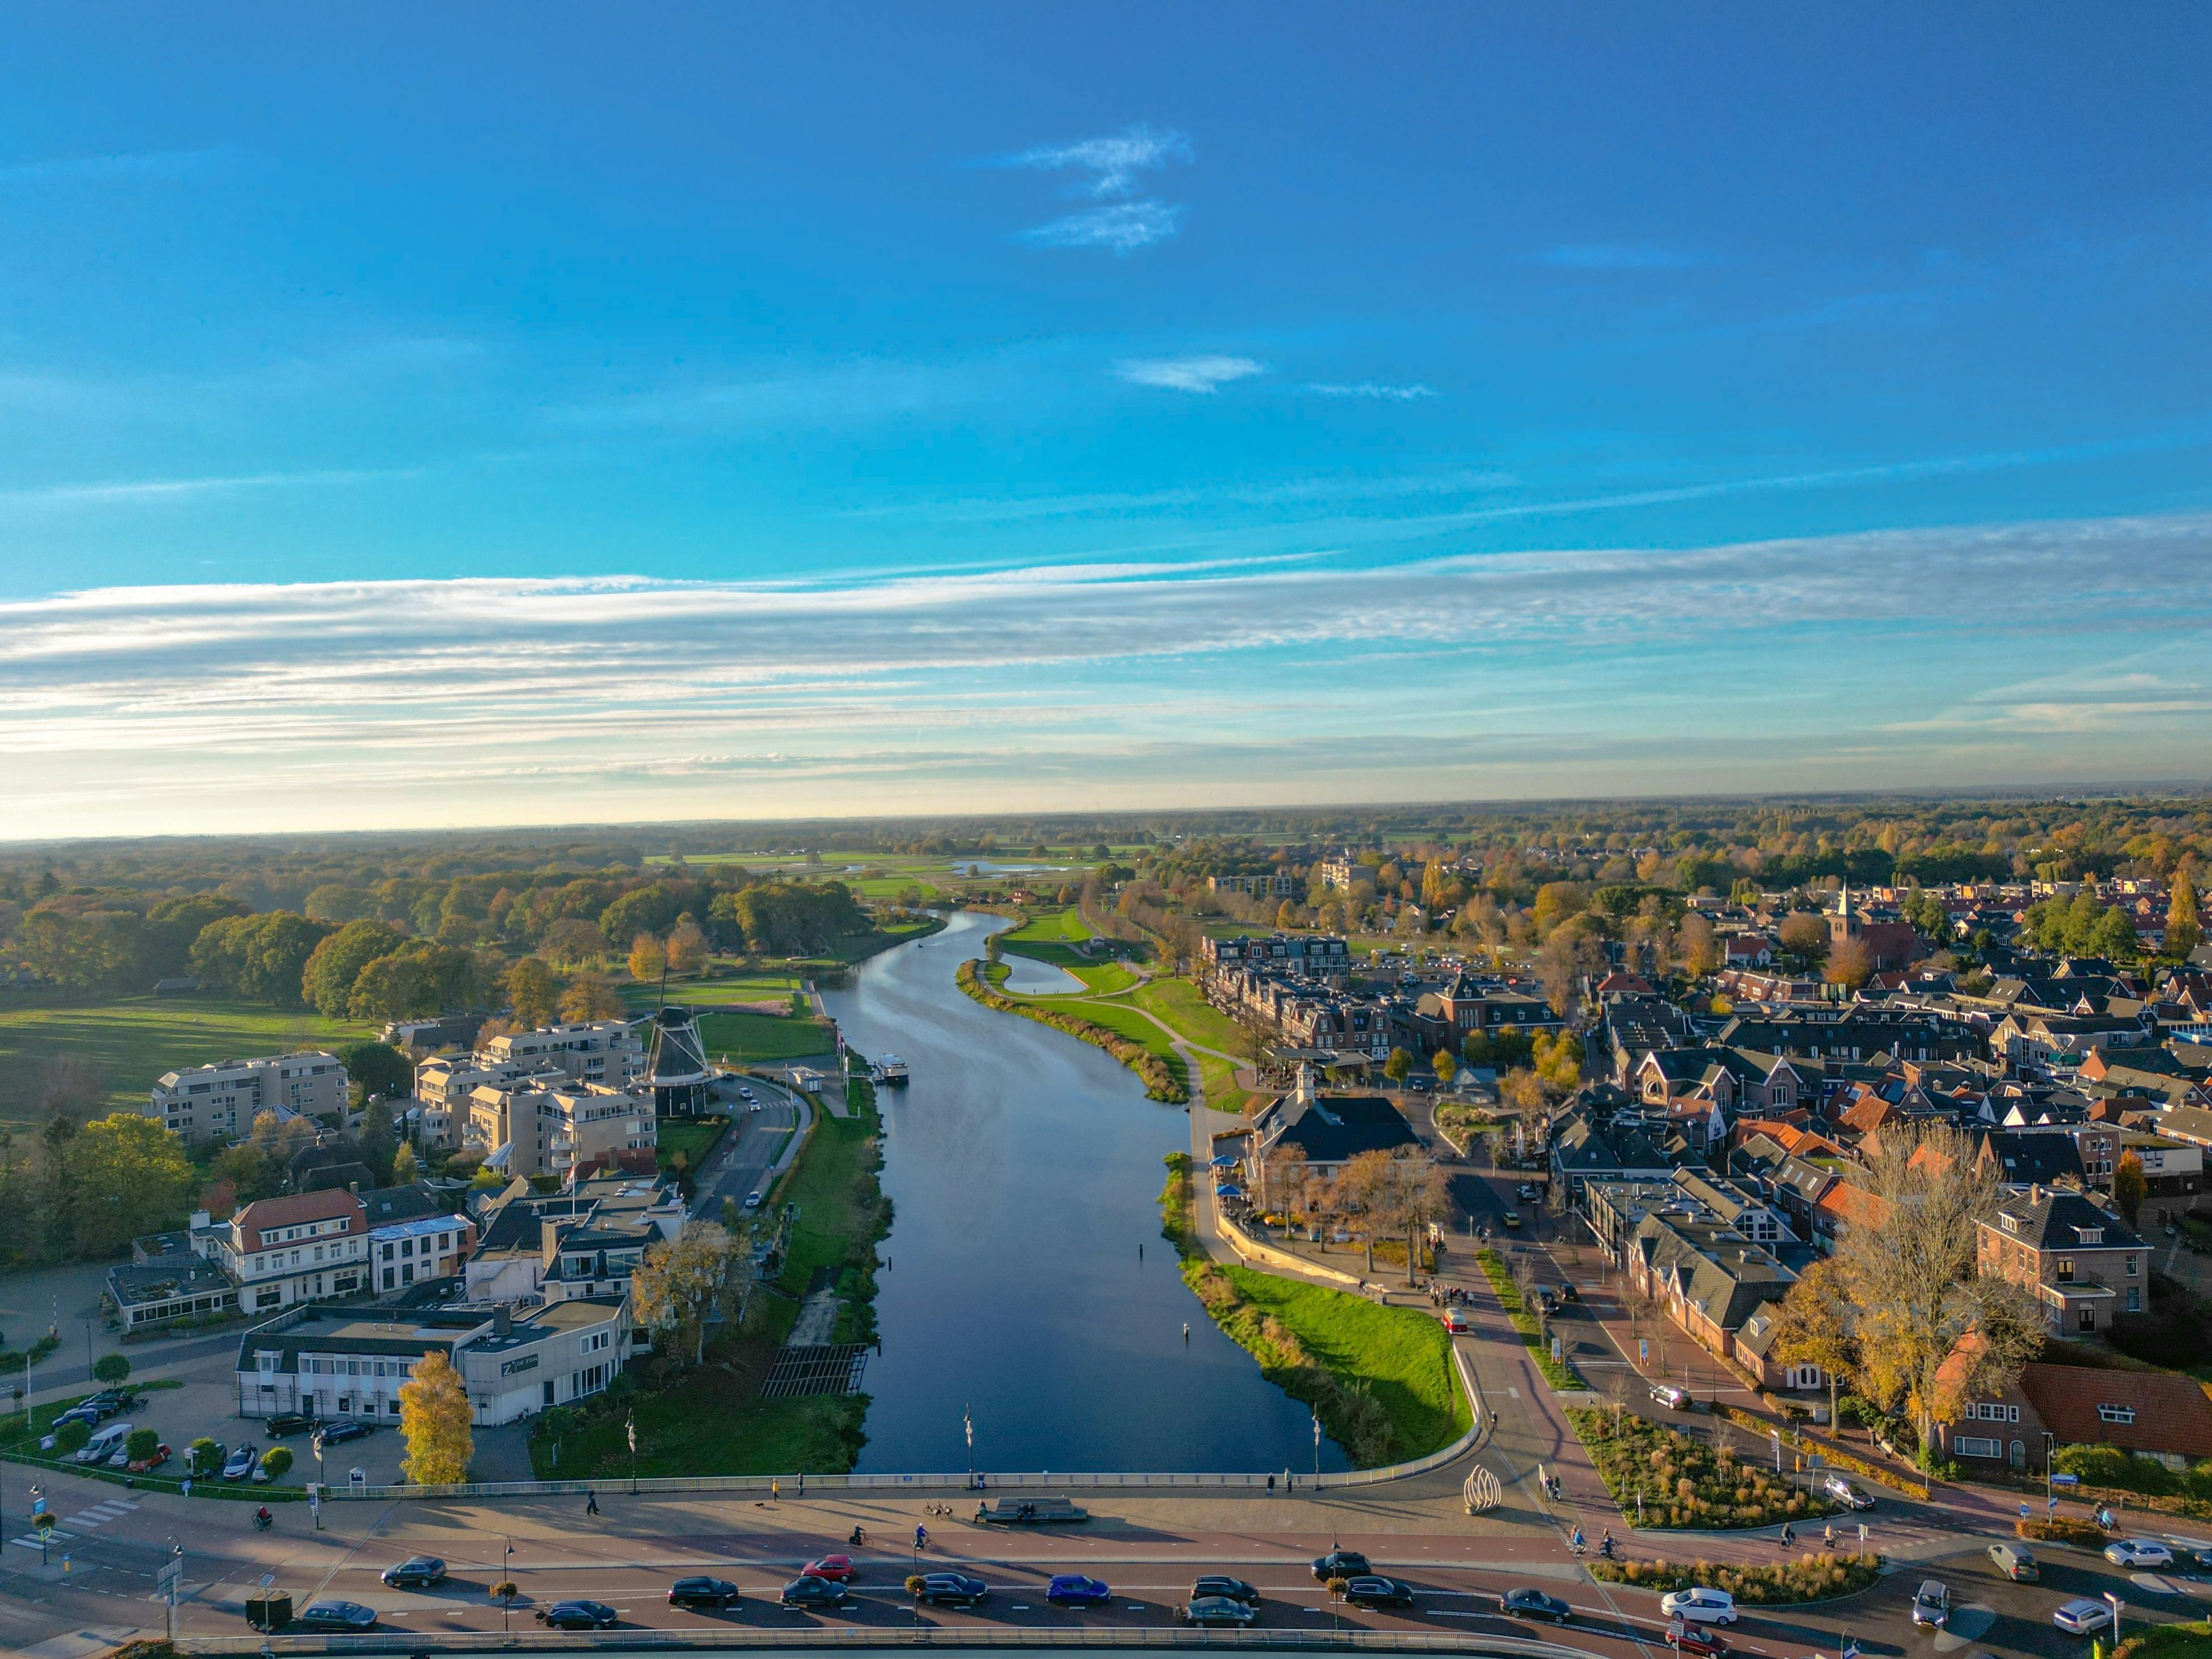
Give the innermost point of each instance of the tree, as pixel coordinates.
(327, 980)
(379, 1138)
(406, 1168)
(111, 1368)
(572, 942)
(534, 992)
(1849, 963)
(648, 956)
(127, 1175)
(590, 997)
(1558, 1057)
(379, 1068)
(142, 1444)
(2128, 1187)
(70, 1437)
(400, 985)
(1446, 1067)
(1805, 935)
(1914, 1283)
(435, 1422)
(276, 1462)
(1523, 1090)
(204, 1458)
(1696, 945)
(687, 947)
(1813, 1326)
(2184, 932)
(682, 1282)
(1399, 1067)
(1419, 1196)
(1364, 1188)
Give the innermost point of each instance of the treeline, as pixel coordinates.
(1160, 1078)
(82, 1192)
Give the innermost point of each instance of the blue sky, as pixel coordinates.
(422, 417)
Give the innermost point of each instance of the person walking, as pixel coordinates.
(591, 1503)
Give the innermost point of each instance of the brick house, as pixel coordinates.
(2081, 1264)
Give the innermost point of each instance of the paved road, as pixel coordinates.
(741, 1162)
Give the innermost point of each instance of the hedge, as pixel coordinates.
(1835, 1456)
(1815, 1578)
(2062, 1530)
(1159, 1081)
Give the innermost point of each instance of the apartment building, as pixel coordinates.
(609, 1052)
(1324, 959)
(1282, 884)
(302, 1247)
(219, 1101)
(407, 1253)
(2083, 1265)
(532, 1130)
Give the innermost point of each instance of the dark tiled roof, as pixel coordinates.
(2171, 1413)
(2052, 1220)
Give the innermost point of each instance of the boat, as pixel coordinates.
(890, 1072)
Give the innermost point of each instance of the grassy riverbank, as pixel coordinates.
(1381, 1379)
(1162, 1073)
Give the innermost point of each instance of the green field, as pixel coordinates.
(729, 985)
(754, 1037)
(130, 1040)
(683, 1143)
(1180, 1005)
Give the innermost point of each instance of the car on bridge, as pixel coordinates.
(1372, 1590)
(702, 1593)
(578, 1615)
(950, 1590)
(1340, 1563)
(1215, 1584)
(806, 1592)
(1074, 1589)
(347, 1616)
(1527, 1603)
(415, 1572)
(836, 1568)
(1219, 1611)
(1698, 1605)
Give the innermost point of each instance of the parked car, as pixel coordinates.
(578, 1615)
(1698, 1605)
(288, 1423)
(1525, 1603)
(951, 1589)
(836, 1568)
(808, 1592)
(752, 1200)
(1073, 1590)
(2081, 1616)
(1843, 1491)
(1513, 1219)
(2138, 1552)
(105, 1444)
(338, 1615)
(1219, 1611)
(239, 1463)
(162, 1455)
(1674, 1398)
(1372, 1590)
(1569, 1293)
(1215, 1584)
(415, 1572)
(1932, 1605)
(702, 1592)
(1455, 1321)
(1340, 1563)
(337, 1434)
(2015, 1562)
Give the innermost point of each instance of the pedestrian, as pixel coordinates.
(774, 1491)
(1828, 1536)
(591, 1503)
(1271, 1484)
(1788, 1537)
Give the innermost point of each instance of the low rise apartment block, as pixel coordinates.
(304, 1247)
(529, 1129)
(219, 1101)
(609, 1052)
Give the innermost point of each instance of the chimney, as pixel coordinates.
(502, 1320)
(354, 1187)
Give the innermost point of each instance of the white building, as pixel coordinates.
(605, 1051)
(219, 1101)
(302, 1247)
(405, 1252)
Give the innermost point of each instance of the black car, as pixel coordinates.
(415, 1572)
(702, 1592)
(1372, 1590)
(337, 1434)
(289, 1423)
(1534, 1604)
(1341, 1564)
(1235, 1589)
(338, 1615)
(578, 1615)
(1569, 1293)
(1218, 1612)
(811, 1592)
(950, 1590)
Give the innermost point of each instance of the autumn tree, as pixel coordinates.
(534, 991)
(1849, 963)
(1696, 947)
(687, 947)
(1805, 935)
(1399, 1067)
(1446, 1067)
(1558, 1057)
(2130, 1187)
(1523, 1090)
(2184, 932)
(1813, 1326)
(1362, 1188)
(435, 1423)
(648, 956)
(127, 1175)
(590, 997)
(1418, 1194)
(684, 1282)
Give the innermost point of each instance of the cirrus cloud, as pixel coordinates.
(1207, 373)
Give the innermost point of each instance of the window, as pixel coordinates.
(2135, 1300)
(1967, 1446)
(2062, 1270)
(2116, 1414)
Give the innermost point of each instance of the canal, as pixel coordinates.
(1025, 1280)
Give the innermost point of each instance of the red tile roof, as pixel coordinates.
(2171, 1412)
(267, 1214)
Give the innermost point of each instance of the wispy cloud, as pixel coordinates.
(1206, 373)
(154, 490)
(1372, 391)
(1111, 163)
(1618, 256)
(1124, 227)
(166, 164)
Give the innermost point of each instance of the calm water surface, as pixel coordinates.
(1025, 1169)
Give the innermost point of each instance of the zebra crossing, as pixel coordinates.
(89, 1519)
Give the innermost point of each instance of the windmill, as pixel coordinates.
(676, 1068)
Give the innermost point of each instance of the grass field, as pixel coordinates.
(1180, 1005)
(730, 986)
(130, 1040)
(683, 1143)
(755, 1037)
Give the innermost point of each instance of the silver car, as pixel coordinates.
(1932, 1605)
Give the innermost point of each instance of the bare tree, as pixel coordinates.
(1364, 1188)
(1420, 1195)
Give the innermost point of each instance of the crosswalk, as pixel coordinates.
(89, 1519)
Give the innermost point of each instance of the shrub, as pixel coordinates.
(913, 1584)
(142, 1444)
(72, 1434)
(276, 1462)
(1810, 1577)
(2060, 1529)
(1683, 1481)
(203, 1458)
(2109, 1466)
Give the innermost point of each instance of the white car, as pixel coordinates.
(1674, 1400)
(2138, 1552)
(752, 1200)
(2081, 1616)
(1699, 1607)
(1845, 1493)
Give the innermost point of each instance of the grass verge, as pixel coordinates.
(1559, 1373)
(685, 1142)
(1682, 1482)
(1381, 1379)
(1815, 1578)
(755, 1037)
(1163, 1072)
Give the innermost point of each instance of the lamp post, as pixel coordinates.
(2116, 1604)
(1316, 1432)
(507, 1581)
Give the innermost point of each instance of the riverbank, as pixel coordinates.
(1380, 1378)
(711, 1419)
(1158, 1072)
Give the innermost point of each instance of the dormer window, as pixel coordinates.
(2011, 1221)
(2091, 1235)
(2116, 1414)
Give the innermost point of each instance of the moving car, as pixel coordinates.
(2015, 1562)
(239, 1463)
(337, 1434)
(1674, 1398)
(1569, 1293)
(338, 1615)
(1843, 1491)
(702, 1592)
(1215, 1584)
(1219, 1611)
(415, 1572)
(578, 1615)
(804, 1592)
(1073, 1590)
(2081, 1616)
(1526, 1190)
(1513, 1219)
(1699, 1640)
(1340, 1563)
(1932, 1605)
(1698, 1605)
(838, 1568)
(162, 1455)
(1526, 1603)
(2138, 1552)
(951, 1589)
(1372, 1590)
(752, 1200)
(288, 1423)
(1455, 1321)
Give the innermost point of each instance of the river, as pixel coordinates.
(1025, 1280)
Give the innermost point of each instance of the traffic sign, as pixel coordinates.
(2023, 1511)
(168, 1574)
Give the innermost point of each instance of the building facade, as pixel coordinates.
(307, 1247)
(219, 1101)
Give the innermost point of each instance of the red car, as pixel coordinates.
(837, 1569)
(141, 1465)
(1687, 1638)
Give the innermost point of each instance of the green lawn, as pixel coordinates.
(766, 986)
(1105, 978)
(756, 1037)
(1559, 1373)
(683, 1143)
(130, 1041)
(1178, 1003)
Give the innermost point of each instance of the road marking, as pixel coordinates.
(1512, 1393)
(30, 1540)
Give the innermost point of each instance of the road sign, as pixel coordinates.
(168, 1574)
(2065, 1479)
(2023, 1511)
(2050, 1504)
(1643, 1351)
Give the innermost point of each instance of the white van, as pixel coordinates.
(105, 1444)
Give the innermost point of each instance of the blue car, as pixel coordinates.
(1073, 1590)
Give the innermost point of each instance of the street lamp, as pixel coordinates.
(506, 1583)
(1317, 1429)
(2113, 1600)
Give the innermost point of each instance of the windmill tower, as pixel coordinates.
(676, 1068)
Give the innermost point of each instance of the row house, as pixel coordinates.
(1468, 1004)
(306, 1247)
(2083, 1265)
(1323, 960)
(1712, 1282)
(1856, 1032)
(2155, 1415)
(2032, 1042)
